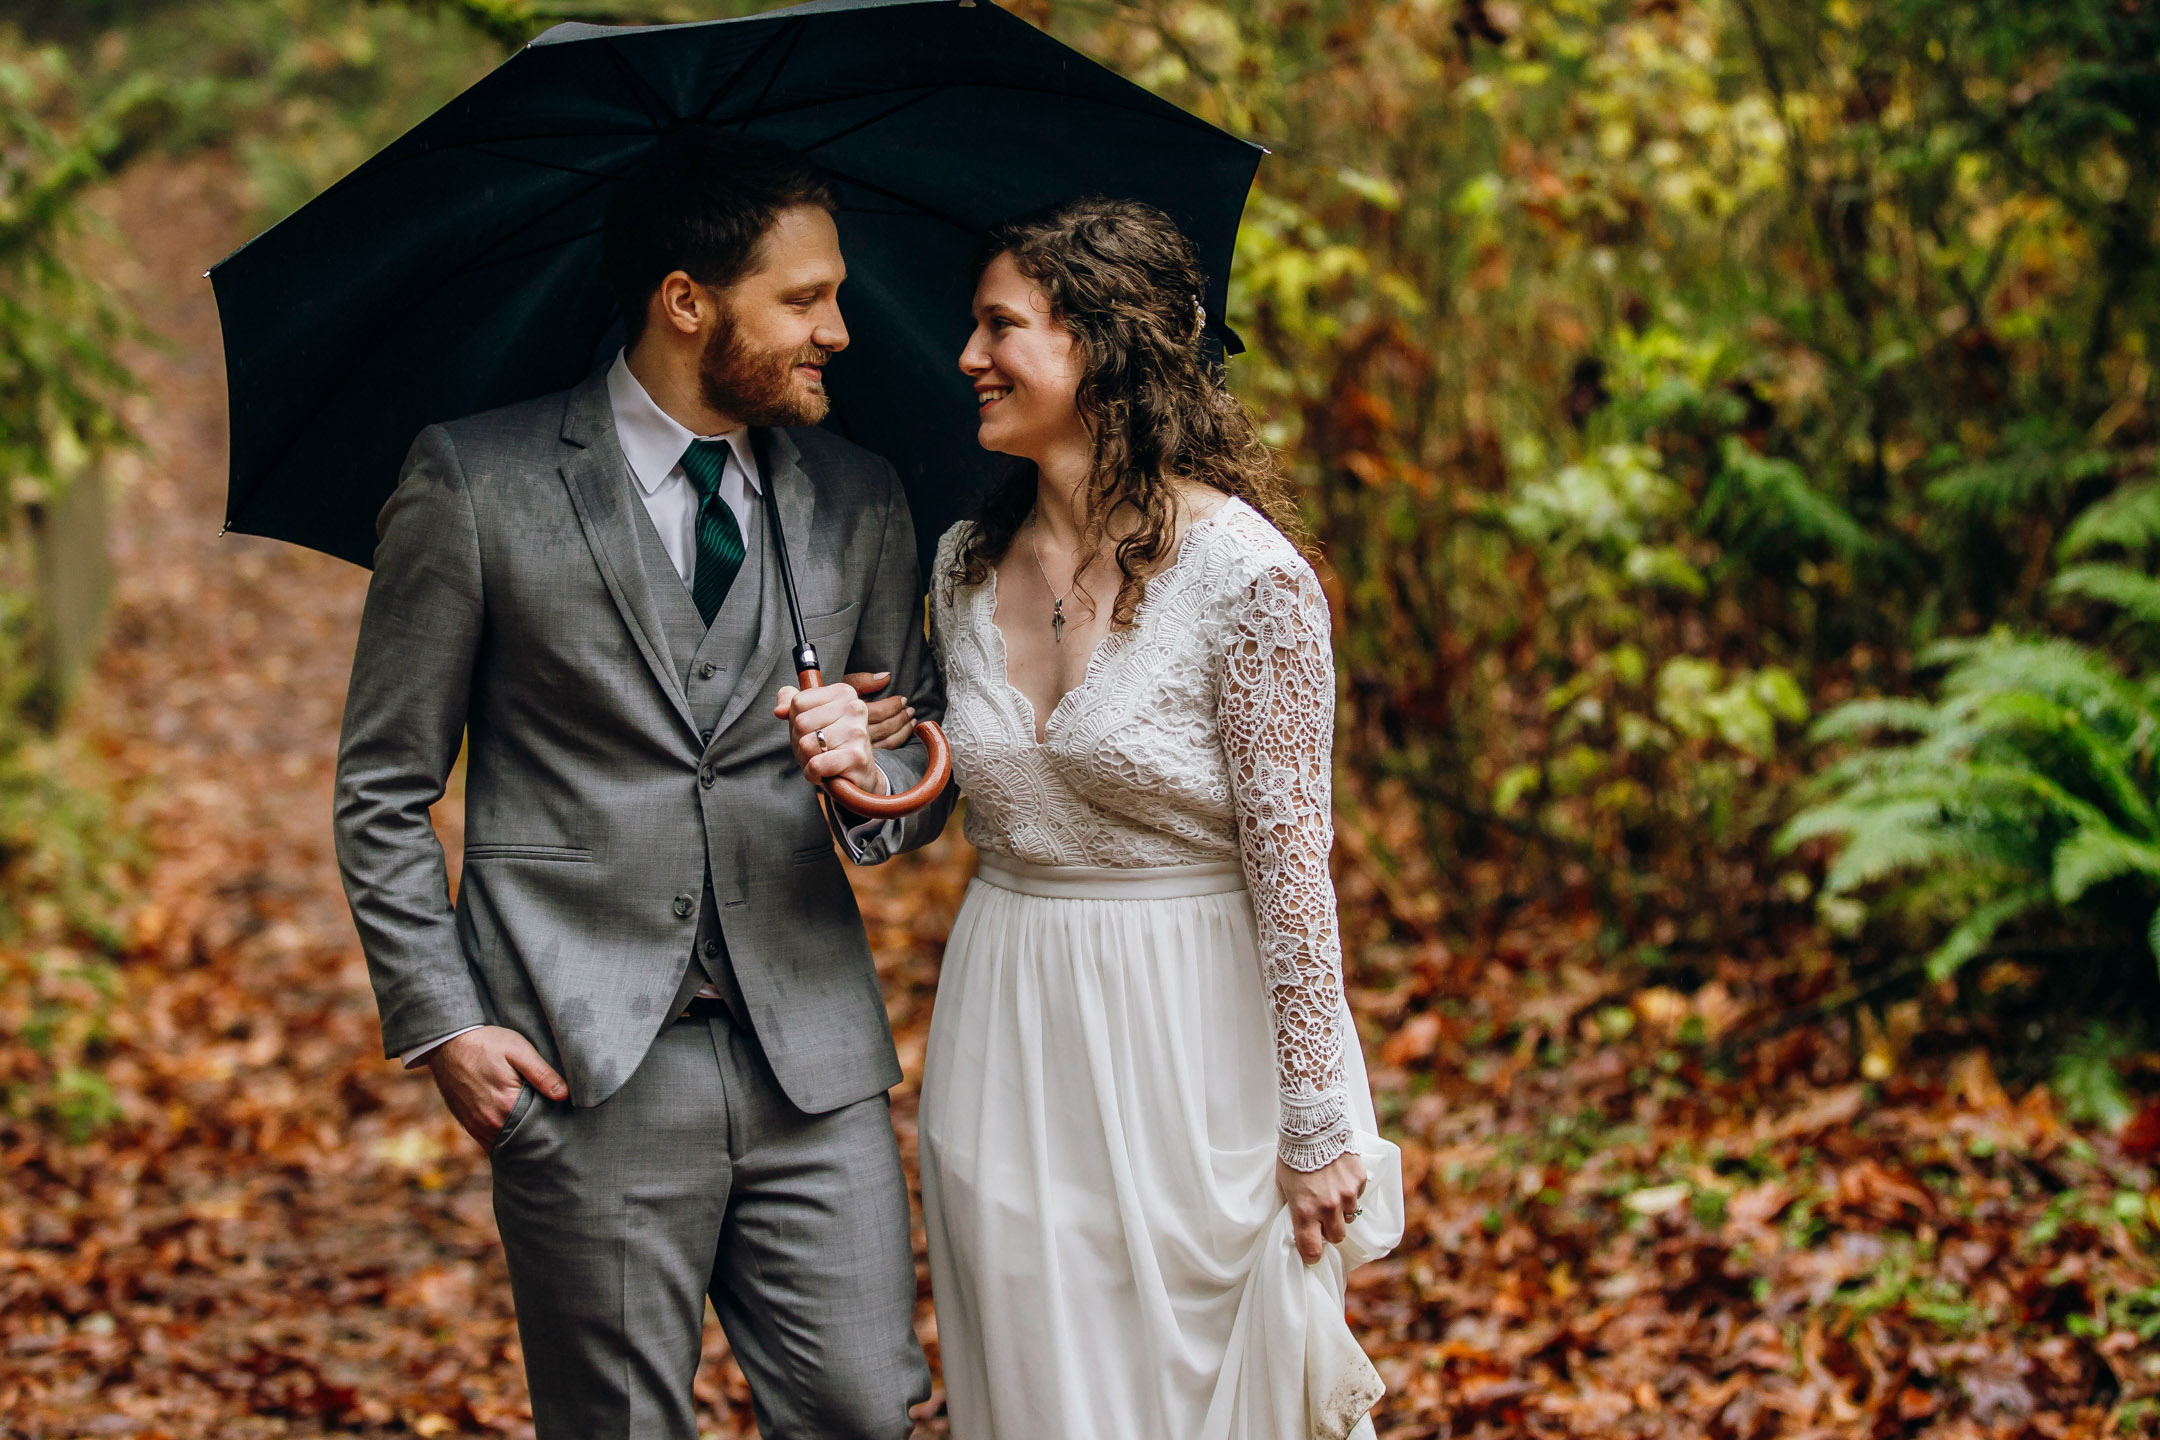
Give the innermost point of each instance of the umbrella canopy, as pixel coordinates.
(460, 269)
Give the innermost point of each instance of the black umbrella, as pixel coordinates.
(460, 268)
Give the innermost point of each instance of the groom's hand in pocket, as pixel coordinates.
(892, 719)
(479, 1073)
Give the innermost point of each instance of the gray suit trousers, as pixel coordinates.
(700, 1177)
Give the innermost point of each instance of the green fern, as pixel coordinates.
(2040, 463)
(2023, 788)
(2128, 519)
(1764, 503)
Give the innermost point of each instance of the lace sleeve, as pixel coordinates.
(1276, 707)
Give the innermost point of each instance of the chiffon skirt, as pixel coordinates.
(1111, 1257)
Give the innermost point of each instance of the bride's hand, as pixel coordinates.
(1322, 1202)
(892, 719)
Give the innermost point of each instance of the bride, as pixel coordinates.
(1148, 1147)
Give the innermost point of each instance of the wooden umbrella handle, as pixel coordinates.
(908, 801)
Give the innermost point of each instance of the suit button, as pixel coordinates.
(684, 905)
(707, 670)
(706, 775)
(704, 737)
(711, 949)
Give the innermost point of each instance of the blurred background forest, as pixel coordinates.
(1731, 426)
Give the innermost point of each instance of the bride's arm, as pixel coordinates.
(1276, 708)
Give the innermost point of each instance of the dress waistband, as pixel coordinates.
(1098, 882)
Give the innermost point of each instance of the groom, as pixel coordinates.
(653, 1003)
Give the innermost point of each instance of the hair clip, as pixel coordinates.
(1199, 314)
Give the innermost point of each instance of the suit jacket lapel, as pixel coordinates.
(784, 480)
(600, 490)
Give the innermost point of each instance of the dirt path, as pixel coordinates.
(285, 1235)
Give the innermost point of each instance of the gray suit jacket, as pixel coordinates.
(509, 609)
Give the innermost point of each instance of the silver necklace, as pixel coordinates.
(1057, 601)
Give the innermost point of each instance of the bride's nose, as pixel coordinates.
(975, 359)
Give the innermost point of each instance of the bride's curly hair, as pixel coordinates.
(1125, 283)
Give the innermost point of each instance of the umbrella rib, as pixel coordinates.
(882, 116)
(481, 258)
(790, 34)
(647, 97)
(556, 165)
(477, 263)
(918, 207)
(780, 68)
(483, 262)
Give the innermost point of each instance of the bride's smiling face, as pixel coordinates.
(1024, 365)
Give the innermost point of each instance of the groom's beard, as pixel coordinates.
(759, 387)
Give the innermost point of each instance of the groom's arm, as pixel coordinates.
(404, 721)
(890, 637)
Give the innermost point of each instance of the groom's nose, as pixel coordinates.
(830, 332)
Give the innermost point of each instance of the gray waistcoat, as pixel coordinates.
(709, 660)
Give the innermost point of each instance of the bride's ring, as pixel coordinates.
(1349, 1215)
(822, 743)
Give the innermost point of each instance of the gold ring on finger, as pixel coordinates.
(822, 743)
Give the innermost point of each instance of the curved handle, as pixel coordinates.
(908, 801)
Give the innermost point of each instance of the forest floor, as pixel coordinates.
(1622, 1222)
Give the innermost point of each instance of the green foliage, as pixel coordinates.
(58, 377)
(66, 865)
(2025, 788)
(2028, 787)
(1651, 369)
(63, 857)
(2088, 1083)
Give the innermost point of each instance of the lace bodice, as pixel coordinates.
(1204, 731)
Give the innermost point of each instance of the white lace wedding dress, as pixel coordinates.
(1141, 1007)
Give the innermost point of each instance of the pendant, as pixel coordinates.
(1057, 621)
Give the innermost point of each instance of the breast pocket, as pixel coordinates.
(834, 623)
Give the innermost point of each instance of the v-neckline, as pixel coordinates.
(1038, 732)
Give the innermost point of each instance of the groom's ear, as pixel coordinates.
(682, 305)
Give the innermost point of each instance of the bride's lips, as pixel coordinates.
(988, 395)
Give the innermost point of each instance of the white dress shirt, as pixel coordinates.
(654, 442)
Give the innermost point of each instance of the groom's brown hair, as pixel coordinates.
(701, 202)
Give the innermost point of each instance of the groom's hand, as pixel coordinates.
(830, 728)
(479, 1072)
(892, 719)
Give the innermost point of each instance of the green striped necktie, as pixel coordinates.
(719, 538)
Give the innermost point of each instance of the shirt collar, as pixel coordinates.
(653, 441)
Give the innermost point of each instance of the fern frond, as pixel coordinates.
(2062, 670)
(1973, 934)
(2127, 519)
(1854, 812)
(2043, 461)
(1753, 494)
(2093, 856)
(1857, 719)
(1877, 852)
(2136, 594)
